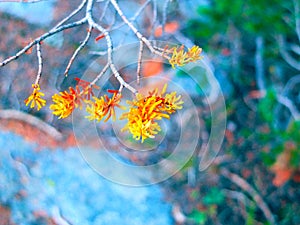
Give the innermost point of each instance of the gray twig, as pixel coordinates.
(41, 38)
(243, 184)
(164, 18)
(40, 62)
(138, 73)
(71, 14)
(109, 46)
(81, 46)
(259, 63)
(297, 18)
(285, 55)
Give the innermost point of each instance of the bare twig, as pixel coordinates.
(134, 29)
(138, 73)
(295, 48)
(104, 10)
(289, 104)
(286, 56)
(132, 19)
(71, 14)
(105, 68)
(41, 38)
(154, 5)
(109, 46)
(58, 218)
(40, 62)
(297, 17)
(81, 46)
(236, 47)
(259, 64)
(164, 18)
(239, 181)
(34, 121)
(241, 198)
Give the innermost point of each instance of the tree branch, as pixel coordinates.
(297, 17)
(71, 14)
(41, 38)
(259, 63)
(285, 55)
(40, 62)
(239, 181)
(81, 46)
(109, 46)
(138, 73)
(134, 29)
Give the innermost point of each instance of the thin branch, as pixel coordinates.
(104, 10)
(132, 19)
(40, 62)
(297, 17)
(81, 46)
(71, 14)
(41, 38)
(100, 75)
(289, 104)
(138, 73)
(259, 63)
(58, 218)
(109, 46)
(154, 3)
(239, 181)
(295, 48)
(140, 10)
(164, 18)
(120, 88)
(285, 55)
(135, 16)
(134, 29)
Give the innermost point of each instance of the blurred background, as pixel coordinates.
(253, 49)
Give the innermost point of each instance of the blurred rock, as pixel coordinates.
(35, 183)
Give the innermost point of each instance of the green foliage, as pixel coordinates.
(214, 196)
(250, 220)
(276, 139)
(198, 217)
(252, 17)
(266, 106)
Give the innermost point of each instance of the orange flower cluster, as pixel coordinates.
(180, 57)
(65, 102)
(145, 111)
(35, 98)
(104, 106)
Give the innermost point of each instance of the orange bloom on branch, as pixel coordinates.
(145, 111)
(104, 106)
(65, 102)
(35, 98)
(180, 57)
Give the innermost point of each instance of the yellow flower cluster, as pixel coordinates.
(145, 111)
(35, 98)
(65, 102)
(180, 57)
(103, 106)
